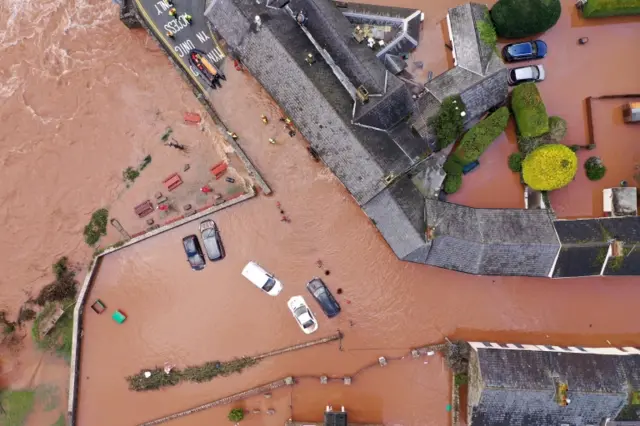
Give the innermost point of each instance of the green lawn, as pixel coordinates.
(605, 8)
(60, 421)
(17, 405)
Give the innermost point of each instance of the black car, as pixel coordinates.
(323, 296)
(527, 50)
(195, 257)
(211, 238)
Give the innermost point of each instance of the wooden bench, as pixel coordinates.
(191, 118)
(173, 181)
(219, 169)
(144, 208)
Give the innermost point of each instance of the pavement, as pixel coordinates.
(186, 37)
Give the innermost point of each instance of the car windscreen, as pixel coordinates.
(189, 245)
(268, 286)
(521, 49)
(196, 260)
(211, 244)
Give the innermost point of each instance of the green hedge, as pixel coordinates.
(605, 8)
(549, 167)
(523, 18)
(529, 111)
(452, 183)
(476, 140)
(515, 162)
(448, 123)
(594, 168)
(557, 132)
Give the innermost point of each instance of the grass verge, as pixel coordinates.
(17, 405)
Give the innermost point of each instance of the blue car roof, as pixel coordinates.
(520, 49)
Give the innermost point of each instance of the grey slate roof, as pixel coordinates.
(625, 201)
(394, 63)
(585, 243)
(398, 213)
(517, 387)
(426, 107)
(388, 110)
(491, 241)
(311, 95)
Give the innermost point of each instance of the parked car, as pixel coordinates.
(192, 248)
(524, 51)
(211, 239)
(323, 296)
(262, 279)
(302, 314)
(525, 74)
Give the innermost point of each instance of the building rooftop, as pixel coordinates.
(490, 241)
(519, 384)
(622, 201)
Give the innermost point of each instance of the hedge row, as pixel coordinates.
(605, 8)
(476, 140)
(549, 167)
(448, 123)
(529, 111)
(557, 132)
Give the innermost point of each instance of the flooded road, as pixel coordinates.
(79, 98)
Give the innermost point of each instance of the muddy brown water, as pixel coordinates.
(80, 94)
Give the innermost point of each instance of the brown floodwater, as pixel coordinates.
(80, 96)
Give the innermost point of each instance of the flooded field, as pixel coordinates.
(80, 95)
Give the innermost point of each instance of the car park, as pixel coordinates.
(323, 296)
(211, 239)
(530, 73)
(192, 248)
(262, 279)
(303, 315)
(524, 51)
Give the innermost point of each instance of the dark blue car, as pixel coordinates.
(194, 252)
(323, 296)
(525, 51)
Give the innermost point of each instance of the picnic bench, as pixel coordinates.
(219, 169)
(144, 208)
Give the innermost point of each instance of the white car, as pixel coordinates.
(525, 74)
(262, 279)
(302, 314)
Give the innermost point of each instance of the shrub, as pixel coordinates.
(557, 132)
(452, 183)
(476, 140)
(461, 379)
(96, 227)
(594, 168)
(604, 8)
(130, 174)
(448, 123)
(60, 338)
(453, 165)
(523, 18)
(16, 406)
(236, 415)
(549, 167)
(515, 162)
(529, 110)
(487, 31)
(64, 286)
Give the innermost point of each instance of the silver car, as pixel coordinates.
(211, 238)
(525, 74)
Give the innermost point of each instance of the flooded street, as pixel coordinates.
(80, 95)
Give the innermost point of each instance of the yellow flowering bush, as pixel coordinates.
(549, 167)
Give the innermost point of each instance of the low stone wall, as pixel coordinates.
(287, 381)
(88, 282)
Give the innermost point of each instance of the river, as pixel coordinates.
(80, 94)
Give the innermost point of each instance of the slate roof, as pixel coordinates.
(625, 201)
(479, 77)
(585, 243)
(407, 21)
(490, 241)
(394, 63)
(518, 387)
(312, 95)
(426, 107)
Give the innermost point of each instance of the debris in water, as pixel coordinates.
(327, 272)
(186, 167)
(230, 180)
(264, 119)
(419, 64)
(319, 263)
(147, 374)
(339, 290)
(272, 141)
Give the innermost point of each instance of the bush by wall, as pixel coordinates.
(515, 162)
(453, 165)
(523, 18)
(476, 140)
(557, 132)
(236, 415)
(549, 167)
(97, 226)
(604, 8)
(594, 168)
(452, 183)
(529, 111)
(448, 123)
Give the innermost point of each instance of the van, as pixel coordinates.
(262, 279)
(631, 112)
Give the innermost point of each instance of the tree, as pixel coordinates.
(524, 18)
(515, 162)
(549, 167)
(448, 123)
(236, 415)
(529, 111)
(594, 168)
(452, 183)
(476, 140)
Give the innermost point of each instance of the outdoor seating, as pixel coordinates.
(173, 181)
(144, 208)
(219, 169)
